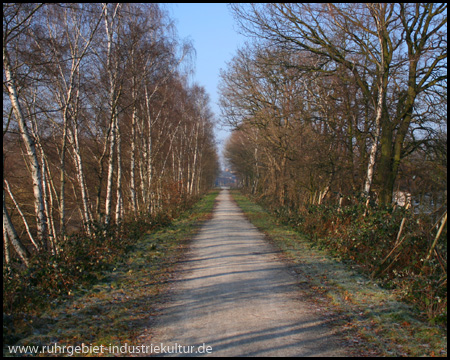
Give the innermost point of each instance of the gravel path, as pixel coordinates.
(235, 296)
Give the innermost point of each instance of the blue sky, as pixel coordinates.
(212, 30)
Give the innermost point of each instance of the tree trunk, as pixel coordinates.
(87, 216)
(62, 177)
(119, 203)
(111, 69)
(382, 123)
(109, 181)
(27, 228)
(149, 177)
(41, 221)
(12, 235)
(133, 154)
(374, 147)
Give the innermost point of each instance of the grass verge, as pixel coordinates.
(375, 322)
(119, 307)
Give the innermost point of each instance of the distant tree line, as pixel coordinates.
(331, 101)
(100, 124)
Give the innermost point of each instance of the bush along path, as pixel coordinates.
(372, 317)
(117, 307)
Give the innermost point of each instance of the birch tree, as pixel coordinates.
(112, 70)
(16, 19)
(10, 234)
(67, 34)
(94, 97)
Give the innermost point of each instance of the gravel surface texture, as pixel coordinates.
(233, 296)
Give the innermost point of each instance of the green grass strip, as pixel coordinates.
(120, 306)
(370, 317)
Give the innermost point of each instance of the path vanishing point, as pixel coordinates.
(236, 296)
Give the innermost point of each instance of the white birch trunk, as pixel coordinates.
(109, 181)
(382, 84)
(87, 216)
(19, 210)
(133, 154)
(119, 203)
(374, 147)
(142, 181)
(6, 249)
(112, 75)
(8, 228)
(62, 178)
(51, 237)
(149, 152)
(36, 174)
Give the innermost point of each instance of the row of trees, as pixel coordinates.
(338, 98)
(99, 121)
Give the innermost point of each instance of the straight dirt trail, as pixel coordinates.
(235, 295)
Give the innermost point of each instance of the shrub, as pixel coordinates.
(371, 240)
(80, 261)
